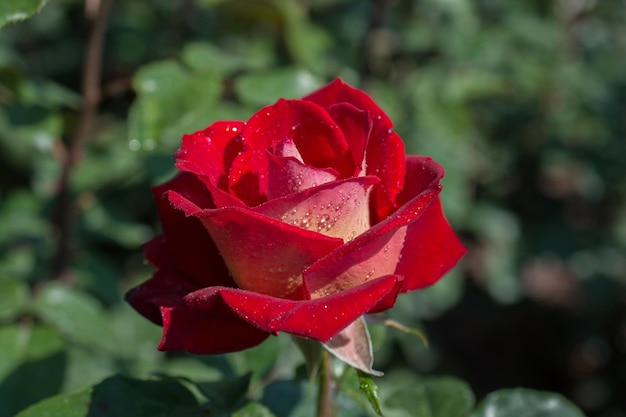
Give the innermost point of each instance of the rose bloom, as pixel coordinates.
(300, 220)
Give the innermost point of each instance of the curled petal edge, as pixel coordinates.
(318, 319)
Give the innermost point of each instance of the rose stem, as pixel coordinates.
(325, 399)
(74, 149)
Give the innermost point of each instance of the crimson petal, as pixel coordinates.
(356, 126)
(318, 319)
(320, 143)
(340, 92)
(385, 149)
(189, 246)
(263, 254)
(214, 331)
(431, 247)
(210, 152)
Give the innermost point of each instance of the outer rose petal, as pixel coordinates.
(263, 255)
(416, 241)
(210, 152)
(340, 92)
(189, 246)
(373, 254)
(214, 331)
(431, 247)
(318, 319)
(206, 333)
(147, 297)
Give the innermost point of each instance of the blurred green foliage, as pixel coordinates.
(522, 102)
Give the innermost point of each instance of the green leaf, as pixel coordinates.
(13, 297)
(171, 101)
(60, 406)
(521, 402)
(306, 43)
(122, 397)
(228, 392)
(370, 389)
(431, 397)
(262, 88)
(254, 410)
(16, 10)
(32, 366)
(204, 57)
(78, 316)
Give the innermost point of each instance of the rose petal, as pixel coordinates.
(340, 92)
(289, 176)
(320, 143)
(210, 152)
(356, 126)
(189, 246)
(385, 149)
(385, 159)
(431, 249)
(372, 254)
(156, 251)
(337, 209)
(415, 242)
(263, 255)
(248, 177)
(421, 173)
(288, 148)
(318, 319)
(147, 297)
(213, 331)
(206, 333)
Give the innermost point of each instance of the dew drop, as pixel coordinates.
(323, 222)
(370, 274)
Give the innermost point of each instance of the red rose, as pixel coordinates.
(300, 220)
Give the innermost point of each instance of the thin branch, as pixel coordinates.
(91, 92)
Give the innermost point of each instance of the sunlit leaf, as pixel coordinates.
(13, 297)
(262, 88)
(122, 397)
(253, 410)
(77, 316)
(522, 402)
(32, 366)
(16, 10)
(430, 397)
